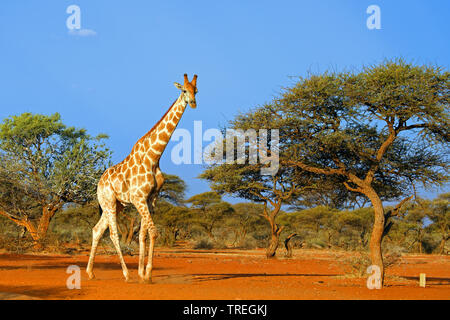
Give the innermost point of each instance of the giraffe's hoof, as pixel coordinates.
(91, 276)
(145, 281)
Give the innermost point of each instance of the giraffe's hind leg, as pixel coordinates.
(115, 239)
(97, 233)
(153, 234)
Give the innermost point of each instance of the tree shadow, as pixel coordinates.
(437, 281)
(15, 257)
(225, 276)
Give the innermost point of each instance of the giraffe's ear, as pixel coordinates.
(179, 86)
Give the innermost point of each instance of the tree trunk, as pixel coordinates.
(37, 233)
(130, 231)
(30, 227)
(420, 244)
(273, 245)
(274, 240)
(330, 236)
(442, 245)
(288, 246)
(274, 228)
(362, 240)
(242, 236)
(47, 214)
(376, 238)
(210, 234)
(122, 229)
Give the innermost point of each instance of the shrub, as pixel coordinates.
(204, 244)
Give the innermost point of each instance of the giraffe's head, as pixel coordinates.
(188, 90)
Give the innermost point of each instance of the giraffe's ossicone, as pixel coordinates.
(137, 180)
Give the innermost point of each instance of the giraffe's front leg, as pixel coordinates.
(97, 233)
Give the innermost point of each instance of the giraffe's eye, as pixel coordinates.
(184, 91)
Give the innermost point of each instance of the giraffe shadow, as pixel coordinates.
(63, 266)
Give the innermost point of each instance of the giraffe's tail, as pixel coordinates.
(100, 210)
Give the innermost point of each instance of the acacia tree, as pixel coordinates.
(44, 165)
(209, 210)
(380, 130)
(170, 210)
(246, 217)
(440, 215)
(173, 220)
(357, 221)
(173, 190)
(414, 218)
(245, 179)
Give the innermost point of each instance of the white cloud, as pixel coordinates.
(82, 32)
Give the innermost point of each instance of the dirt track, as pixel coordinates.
(228, 274)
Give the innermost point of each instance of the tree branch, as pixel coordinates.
(328, 171)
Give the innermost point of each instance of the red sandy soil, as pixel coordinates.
(224, 274)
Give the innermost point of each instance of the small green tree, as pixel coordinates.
(43, 165)
(208, 210)
(440, 216)
(173, 189)
(245, 219)
(245, 181)
(172, 219)
(358, 222)
(319, 220)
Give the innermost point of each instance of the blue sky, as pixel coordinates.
(119, 79)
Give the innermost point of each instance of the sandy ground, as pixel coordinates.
(226, 274)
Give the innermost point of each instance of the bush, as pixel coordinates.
(16, 245)
(248, 243)
(204, 244)
(358, 264)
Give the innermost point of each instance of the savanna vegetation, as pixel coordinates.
(353, 149)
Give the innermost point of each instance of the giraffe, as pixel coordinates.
(137, 180)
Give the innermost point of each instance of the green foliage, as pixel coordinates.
(173, 189)
(246, 222)
(209, 210)
(75, 222)
(64, 162)
(43, 165)
(440, 216)
(173, 220)
(354, 125)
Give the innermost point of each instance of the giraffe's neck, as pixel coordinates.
(155, 141)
